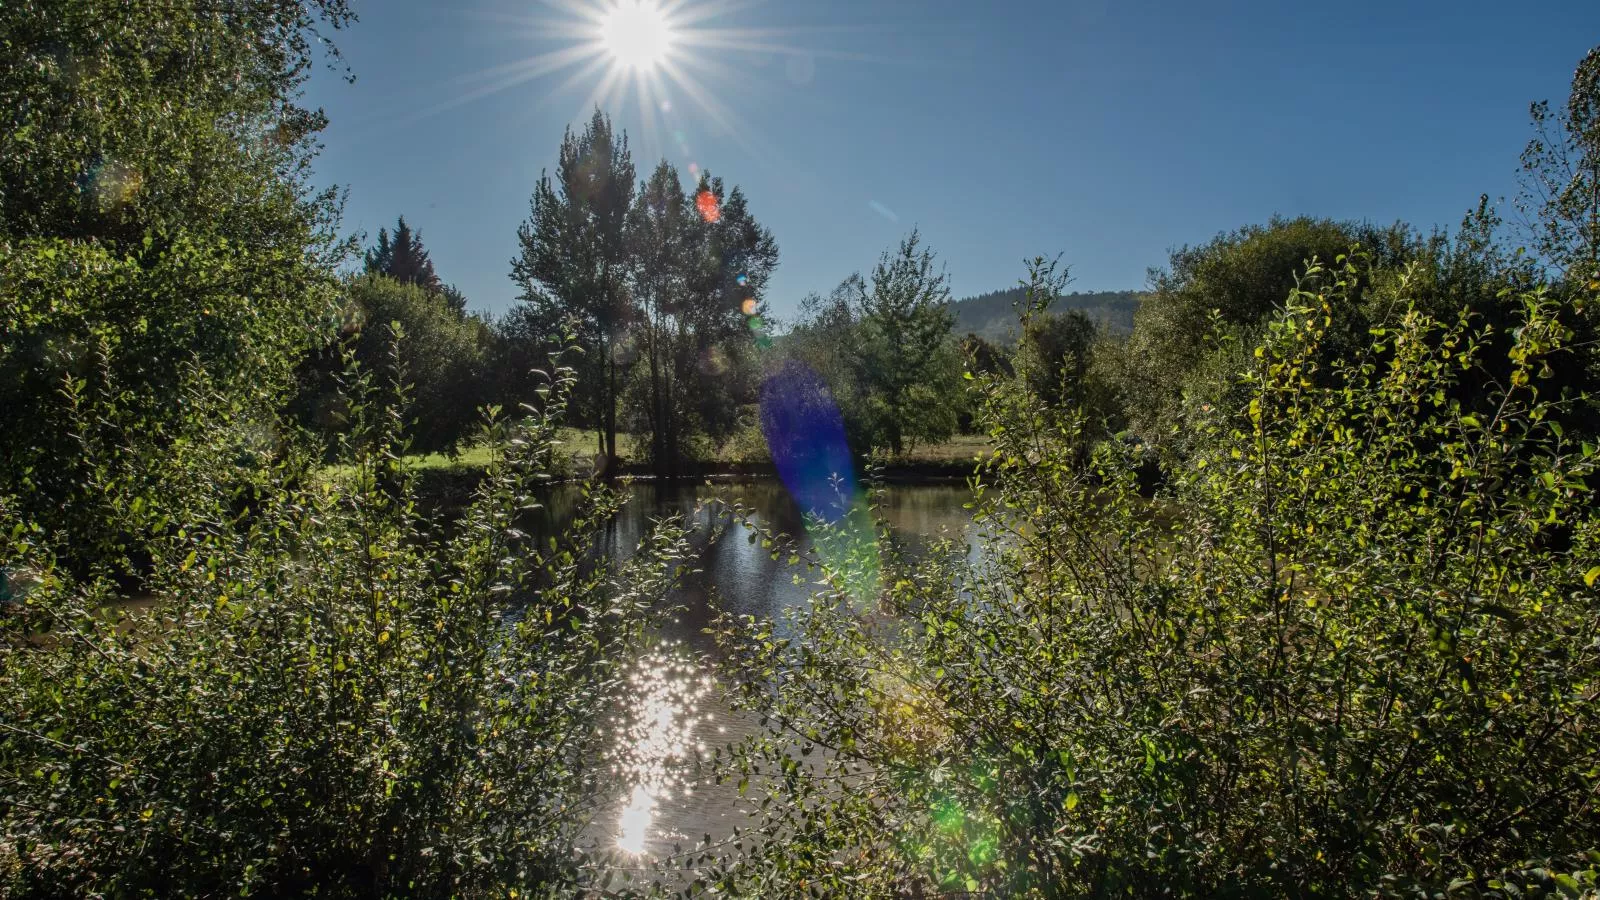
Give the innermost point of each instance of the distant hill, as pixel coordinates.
(994, 315)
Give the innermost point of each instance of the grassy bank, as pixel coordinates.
(745, 454)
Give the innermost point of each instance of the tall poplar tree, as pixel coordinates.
(697, 257)
(574, 261)
(661, 240)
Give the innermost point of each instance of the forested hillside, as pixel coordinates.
(993, 316)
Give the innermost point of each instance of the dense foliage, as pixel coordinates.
(318, 688)
(1351, 648)
(1561, 183)
(1056, 351)
(1211, 303)
(883, 346)
(131, 118)
(660, 281)
(572, 268)
(337, 695)
(699, 262)
(443, 356)
(158, 242)
(1347, 642)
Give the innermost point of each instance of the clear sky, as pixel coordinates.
(1106, 130)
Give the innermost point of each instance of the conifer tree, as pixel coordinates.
(403, 258)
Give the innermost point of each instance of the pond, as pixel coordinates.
(676, 711)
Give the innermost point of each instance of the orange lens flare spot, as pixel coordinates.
(706, 203)
(748, 306)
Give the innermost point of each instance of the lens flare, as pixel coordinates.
(805, 435)
(706, 203)
(805, 432)
(111, 183)
(748, 307)
(713, 362)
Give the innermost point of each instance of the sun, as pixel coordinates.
(636, 34)
(667, 58)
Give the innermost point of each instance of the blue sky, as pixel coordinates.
(1106, 131)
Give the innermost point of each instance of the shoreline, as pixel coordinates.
(459, 481)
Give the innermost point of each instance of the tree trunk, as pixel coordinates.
(609, 328)
(611, 415)
(669, 439)
(657, 411)
(599, 411)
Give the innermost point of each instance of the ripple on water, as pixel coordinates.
(658, 741)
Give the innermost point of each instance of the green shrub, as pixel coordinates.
(443, 356)
(1229, 288)
(1350, 649)
(161, 246)
(328, 695)
(123, 376)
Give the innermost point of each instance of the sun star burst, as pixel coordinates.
(661, 66)
(637, 34)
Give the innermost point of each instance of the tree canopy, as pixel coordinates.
(883, 345)
(1561, 177)
(162, 252)
(573, 262)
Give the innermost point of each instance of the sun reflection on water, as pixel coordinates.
(658, 740)
(633, 823)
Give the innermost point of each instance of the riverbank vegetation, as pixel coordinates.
(1359, 651)
(1287, 586)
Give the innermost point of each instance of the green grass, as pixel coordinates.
(578, 447)
(960, 449)
(574, 444)
(467, 458)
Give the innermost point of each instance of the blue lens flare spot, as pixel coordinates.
(805, 434)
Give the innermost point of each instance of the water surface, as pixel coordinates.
(675, 712)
